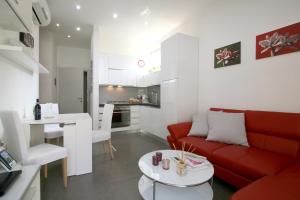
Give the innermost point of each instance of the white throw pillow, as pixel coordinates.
(200, 125)
(227, 128)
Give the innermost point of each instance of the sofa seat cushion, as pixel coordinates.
(270, 188)
(250, 162)
(203, 147)
(293, 170)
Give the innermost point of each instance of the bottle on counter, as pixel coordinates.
(37, 110)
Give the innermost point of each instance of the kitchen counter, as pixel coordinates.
(135, 104)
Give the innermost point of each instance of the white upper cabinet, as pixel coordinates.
(16, 15)
(116, 77)
(117, 70)
(149, 79)
(120, 62)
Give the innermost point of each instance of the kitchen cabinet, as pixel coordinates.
(146, 80)
(151, 121)
(121, 61)
(144, 118)
(117, 70)
(117, 77)
(179, 84)
(135, 117)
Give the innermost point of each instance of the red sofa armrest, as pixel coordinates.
(180, 130)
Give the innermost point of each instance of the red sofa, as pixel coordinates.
(268, 169)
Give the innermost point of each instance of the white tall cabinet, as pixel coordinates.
(179, 75)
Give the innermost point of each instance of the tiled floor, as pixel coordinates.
(112, 179)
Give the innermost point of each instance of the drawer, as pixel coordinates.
(135, 127)
(135, 108)
(134, 115)
(134, 121)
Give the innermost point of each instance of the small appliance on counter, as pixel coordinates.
(145, 98)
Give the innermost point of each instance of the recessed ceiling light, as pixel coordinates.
(78, 28)
(115, 15)
(146, 23)
(145, 12)
(78, 7)
(57, 25)
(68, 36)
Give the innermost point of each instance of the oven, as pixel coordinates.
(121, 116)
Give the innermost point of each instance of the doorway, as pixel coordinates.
(73, 94)
(85, 92)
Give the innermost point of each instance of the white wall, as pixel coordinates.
(267, 84)
(95, 52)
(19, 88)
(73, 57)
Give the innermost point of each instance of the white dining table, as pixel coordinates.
(77, 138)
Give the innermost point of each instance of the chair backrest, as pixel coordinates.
(49, 109)
(107, 117)
(14, 135)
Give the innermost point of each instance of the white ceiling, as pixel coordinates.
(128, 34)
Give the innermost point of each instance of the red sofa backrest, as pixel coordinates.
(273, 131)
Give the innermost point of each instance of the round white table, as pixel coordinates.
(160, 184)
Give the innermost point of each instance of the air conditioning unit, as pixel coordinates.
(41, 13)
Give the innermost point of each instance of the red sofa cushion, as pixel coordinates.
(203, 147)
(179, 130)
(286, 125)
(270, 188)
(275, 144)
(250, 162)
(293, 170)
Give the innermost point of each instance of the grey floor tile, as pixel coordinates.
(115, 179)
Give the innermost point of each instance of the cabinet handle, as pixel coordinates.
(61, 125)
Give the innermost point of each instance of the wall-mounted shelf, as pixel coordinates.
(18, 56)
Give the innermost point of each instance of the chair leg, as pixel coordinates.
(110, 149)
(45, 171)
(65, 174)
(104, 146)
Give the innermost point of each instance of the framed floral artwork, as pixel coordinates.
(281, 41)
(228, 55)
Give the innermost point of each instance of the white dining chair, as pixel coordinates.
(42, 154)
(104, 134)
(51, 131)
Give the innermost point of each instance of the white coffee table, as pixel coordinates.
(160, 184)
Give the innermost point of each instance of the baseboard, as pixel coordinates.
(154, 137)
(142, 133)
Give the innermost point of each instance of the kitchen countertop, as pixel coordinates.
(135, 104)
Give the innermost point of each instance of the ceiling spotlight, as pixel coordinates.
(57, 25)
(68, 36)
(78, 7)
(115, 16)
(78, 28)
(145, 12)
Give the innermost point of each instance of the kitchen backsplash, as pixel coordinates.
(109, 93)
(153, 93)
